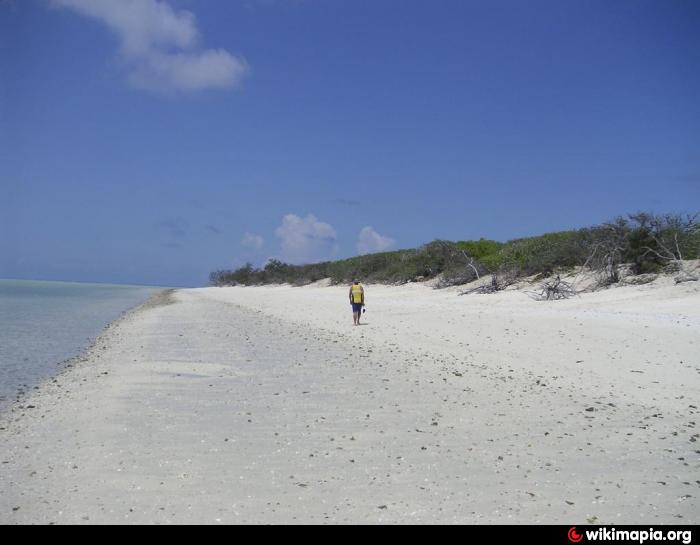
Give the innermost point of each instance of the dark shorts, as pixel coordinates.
(356, 307)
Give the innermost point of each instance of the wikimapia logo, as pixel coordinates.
(574, 536)
(636, 536)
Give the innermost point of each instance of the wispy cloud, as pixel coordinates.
(176, 228)
(691, 179)
(347, 202)
(159, 45)
(305, 239)
(172, 245)
(251, 240)
(10, 4)
(370, 241)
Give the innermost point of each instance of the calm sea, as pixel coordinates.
(43, 324)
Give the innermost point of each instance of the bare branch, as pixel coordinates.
(554, 290)
(499, 282)
(471, 264)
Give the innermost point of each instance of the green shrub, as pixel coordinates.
(646, 241)
(487, 252)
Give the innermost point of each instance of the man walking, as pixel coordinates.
(357, 300)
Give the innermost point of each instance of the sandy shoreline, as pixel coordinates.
(246, 405)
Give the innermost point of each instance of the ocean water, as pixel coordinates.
(42, 324)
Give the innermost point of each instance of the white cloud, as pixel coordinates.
(305, 240)
(251, 240)
(159, 45)
(370, 241)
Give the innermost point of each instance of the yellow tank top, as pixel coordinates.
(356, 293)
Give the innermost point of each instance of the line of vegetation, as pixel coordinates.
(644, 242)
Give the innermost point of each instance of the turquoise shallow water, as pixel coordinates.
(43, 324)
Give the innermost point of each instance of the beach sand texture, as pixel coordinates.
(265, 405)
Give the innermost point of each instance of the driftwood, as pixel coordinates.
(669, 251)
(674, 258)
(470, 263)
(555, 289)
(604, 261)
(499, 282)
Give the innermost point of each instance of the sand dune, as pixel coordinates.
(265, 404)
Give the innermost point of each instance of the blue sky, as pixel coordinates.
(146, 141)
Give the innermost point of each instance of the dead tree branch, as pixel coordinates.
(670, 251)
(498, 282)
(470, 263)
(555, 289)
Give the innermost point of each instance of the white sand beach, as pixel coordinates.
(266, 405)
